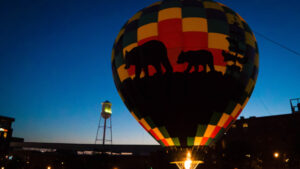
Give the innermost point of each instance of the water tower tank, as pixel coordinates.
(106, 109)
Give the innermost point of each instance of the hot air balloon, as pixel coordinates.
(185, 70)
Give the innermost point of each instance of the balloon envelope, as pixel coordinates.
(185, 70)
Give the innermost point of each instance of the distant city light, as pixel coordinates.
(3, 129)
(5, 135)
(245, 125)
(276, 154)
(126, 153)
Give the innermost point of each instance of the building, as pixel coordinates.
(280, 132)
(263, 142)
(270, 142)
(5, 133)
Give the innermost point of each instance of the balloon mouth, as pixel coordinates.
(189, 162)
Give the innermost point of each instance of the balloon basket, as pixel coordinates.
(182, 164)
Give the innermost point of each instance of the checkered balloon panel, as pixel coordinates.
(185, 69)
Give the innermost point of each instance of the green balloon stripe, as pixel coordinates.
(201, 130)
(176, 141)
(193, 12)
(190, 141)
(164, 132)
(169, 4)
(215, 118)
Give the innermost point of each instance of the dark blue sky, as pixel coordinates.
(55, 65)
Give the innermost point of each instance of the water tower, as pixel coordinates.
(295, 105)
(105, 125)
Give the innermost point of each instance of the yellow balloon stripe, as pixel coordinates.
(231, 19)
(197, 141)
(129, 48)
(218, 41)
(256, 60)
(219, 68)
(240, 17)
(156, 3)
(146, 125)
(147, 31)
(223, 119)
(250, 85)
(123, 73)
(193, 24)
(158, 133)
(212, 5)
(236, 110)
(250, 39)
(170, 141)
(169, 13)
(245, 103)
(220, 4)
(209, 130)
(112, 55)
(136, 118)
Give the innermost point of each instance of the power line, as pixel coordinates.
(279, 44)
(282, 46)
(263, 103)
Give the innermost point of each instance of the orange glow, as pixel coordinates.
(276, 154)
(188, 161)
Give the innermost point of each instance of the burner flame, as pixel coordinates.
(188, 161)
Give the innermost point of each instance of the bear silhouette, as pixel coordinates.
(150, 53)
(196, 58)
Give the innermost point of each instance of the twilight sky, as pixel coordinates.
(55, 65)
